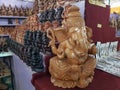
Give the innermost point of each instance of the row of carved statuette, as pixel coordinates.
(10, 11)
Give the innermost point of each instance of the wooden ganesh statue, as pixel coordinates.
(74, 63)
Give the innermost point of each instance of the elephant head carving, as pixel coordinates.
(73, 64)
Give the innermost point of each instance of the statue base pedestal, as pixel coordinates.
(67, 75)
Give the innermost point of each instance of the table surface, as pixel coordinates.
(6, 54)
(101, 81)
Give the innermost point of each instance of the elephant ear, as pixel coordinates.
(89, 32)
(60, 34)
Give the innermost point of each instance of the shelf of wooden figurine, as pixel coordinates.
(13, 17)
(5, 74)
(10, 21)
(4, 35)
(9, 25)
(4, 70)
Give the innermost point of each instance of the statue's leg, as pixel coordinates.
(63, 83)
(63, 74)
(86, 76)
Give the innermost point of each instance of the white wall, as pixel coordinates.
(81, 5)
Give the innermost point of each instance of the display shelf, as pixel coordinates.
(4, 70)
(5, 74)
(4, 35)
(10, 21)
(8, 25)
(13, 17)
(6, 57)
(5, 54)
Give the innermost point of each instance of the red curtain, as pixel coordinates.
(99, 15)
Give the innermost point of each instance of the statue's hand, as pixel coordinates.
(60, 53)
(52, 43)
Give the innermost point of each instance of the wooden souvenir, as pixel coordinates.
(10, 10)
(16, 13)
(3, 10)
(73, 64)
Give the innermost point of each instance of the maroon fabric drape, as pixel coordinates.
(101, 81)
(99, 15)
